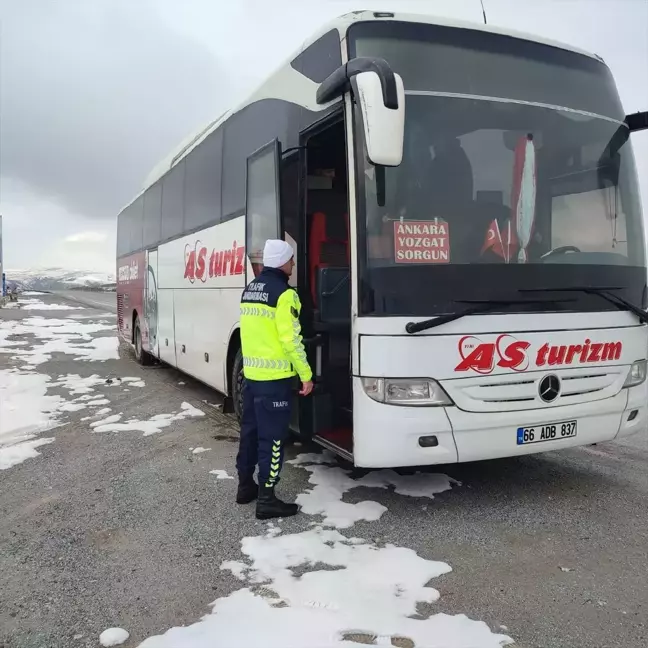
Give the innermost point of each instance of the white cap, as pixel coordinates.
(276, 253)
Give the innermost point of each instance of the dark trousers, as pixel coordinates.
(264, 429)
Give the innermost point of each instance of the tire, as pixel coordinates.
(237, 385)
(141, 356)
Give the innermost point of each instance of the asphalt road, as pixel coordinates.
(91, 298)
(118, 529)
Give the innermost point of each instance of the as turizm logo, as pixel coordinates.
(508, 352)
(200, 267)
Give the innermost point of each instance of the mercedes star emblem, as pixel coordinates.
(549, 388)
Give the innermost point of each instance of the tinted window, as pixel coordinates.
(152, 209)
(320, 59)
(246, 132)
(172, 201)
(465, 61)
(262, 205)
(135, 224)
(492, 197)
(123, 237)
(203, 182)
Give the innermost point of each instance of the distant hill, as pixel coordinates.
(59, 279)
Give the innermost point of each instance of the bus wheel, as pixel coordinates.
(237, 385)
(140, 355)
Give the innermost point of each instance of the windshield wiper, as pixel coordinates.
(482, 306)
(619, 302)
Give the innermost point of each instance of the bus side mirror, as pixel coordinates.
(384, 126)
(381, 97)
(637, 121)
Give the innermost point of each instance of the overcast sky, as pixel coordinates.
(93, 93)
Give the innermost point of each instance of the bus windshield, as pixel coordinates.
(498, 189)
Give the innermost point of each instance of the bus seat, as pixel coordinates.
(451, 177)
(328, 245)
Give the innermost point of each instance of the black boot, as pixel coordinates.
(269, 506)
(247, 491)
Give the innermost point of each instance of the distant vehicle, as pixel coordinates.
(464, 209)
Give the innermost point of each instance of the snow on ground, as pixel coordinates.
(33, 293)
(6, 343)
(25, 412)
(26, 409)
(152, 426)
(321, 589)
(200, 450)
(12, 455)
(220, 474)
(331, 482)
(113, 637)
(37, 304)
(67, 336)
(134, 382)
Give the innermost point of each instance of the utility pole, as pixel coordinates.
(3, 280)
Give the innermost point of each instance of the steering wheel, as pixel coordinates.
(564, 249)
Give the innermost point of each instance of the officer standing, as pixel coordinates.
(273, 354)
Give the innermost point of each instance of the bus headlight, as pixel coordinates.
(406, 391)
(637, 374)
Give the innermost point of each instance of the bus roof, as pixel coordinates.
(341, 24)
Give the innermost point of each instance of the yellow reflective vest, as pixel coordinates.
(271, 337)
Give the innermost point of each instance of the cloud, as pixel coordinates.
(94, 94)
(86, 237)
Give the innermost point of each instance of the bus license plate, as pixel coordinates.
(548, 432)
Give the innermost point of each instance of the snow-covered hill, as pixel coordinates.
(59, 279)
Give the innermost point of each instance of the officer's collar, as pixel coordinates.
(275, 272)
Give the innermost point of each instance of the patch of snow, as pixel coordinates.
(237, 568)
(67, 336)
(190, 410)
(33, 293)
(152, 426)
(75, 384)
(113, 637)
(72, 407)
(101, 412)
(199, 450)
(220, 474)
(6, 343)
(100, 401)
(324, 457)
(15, 454)
(36, 304)
(25, 412)
(331, 482)
(107, 421)
(134, 382)
(99, 349)
(371, 590)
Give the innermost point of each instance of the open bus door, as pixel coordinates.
(264, 216)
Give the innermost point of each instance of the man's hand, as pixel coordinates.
(307, 388)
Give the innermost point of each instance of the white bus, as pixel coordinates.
(465, 214)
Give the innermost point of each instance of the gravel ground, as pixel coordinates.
(117, 529)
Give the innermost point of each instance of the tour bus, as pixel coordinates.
(464, 209)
